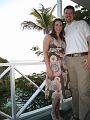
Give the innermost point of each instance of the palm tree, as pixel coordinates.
(43, 17)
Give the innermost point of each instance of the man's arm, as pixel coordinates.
(88, 57)
(88, 39)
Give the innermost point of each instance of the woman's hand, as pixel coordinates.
(50, 73)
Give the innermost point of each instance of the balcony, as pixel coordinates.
(41, 113)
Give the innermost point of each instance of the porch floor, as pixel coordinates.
(64, 114)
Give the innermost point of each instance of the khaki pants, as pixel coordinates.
(80, 86)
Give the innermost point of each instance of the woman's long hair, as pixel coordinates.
(53, 33)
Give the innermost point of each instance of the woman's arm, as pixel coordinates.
(46, 44)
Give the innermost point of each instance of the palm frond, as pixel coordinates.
(44, 10)
(30, 25)
(36, 13)
(53, 9)
(43, 17)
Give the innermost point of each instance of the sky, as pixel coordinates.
(15, 43)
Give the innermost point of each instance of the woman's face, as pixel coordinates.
(58, 27)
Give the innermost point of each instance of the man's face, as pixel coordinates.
(69, 15)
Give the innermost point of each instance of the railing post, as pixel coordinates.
(12, 85)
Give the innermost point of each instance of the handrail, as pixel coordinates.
(12, 68)
(20, 63)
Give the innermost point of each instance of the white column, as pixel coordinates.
(59, 8)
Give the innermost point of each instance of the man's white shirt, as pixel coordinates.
(75, 36)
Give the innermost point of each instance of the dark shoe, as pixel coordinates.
(74, 118)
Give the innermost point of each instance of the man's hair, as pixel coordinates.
(69, 7)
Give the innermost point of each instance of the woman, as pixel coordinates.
(53, 49)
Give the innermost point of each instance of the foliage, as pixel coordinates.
(3, 82)
(2, 60)
(44, 18)
(24, 90)
(37, 50)
(4, 86)
(82, 14)
(4, 96)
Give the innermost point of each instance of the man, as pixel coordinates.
(77, 36)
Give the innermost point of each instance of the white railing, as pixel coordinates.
(12, 67)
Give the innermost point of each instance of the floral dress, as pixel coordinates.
(57, 64)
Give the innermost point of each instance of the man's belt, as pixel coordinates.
(77, 54)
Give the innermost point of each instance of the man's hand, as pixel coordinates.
(87, 62)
